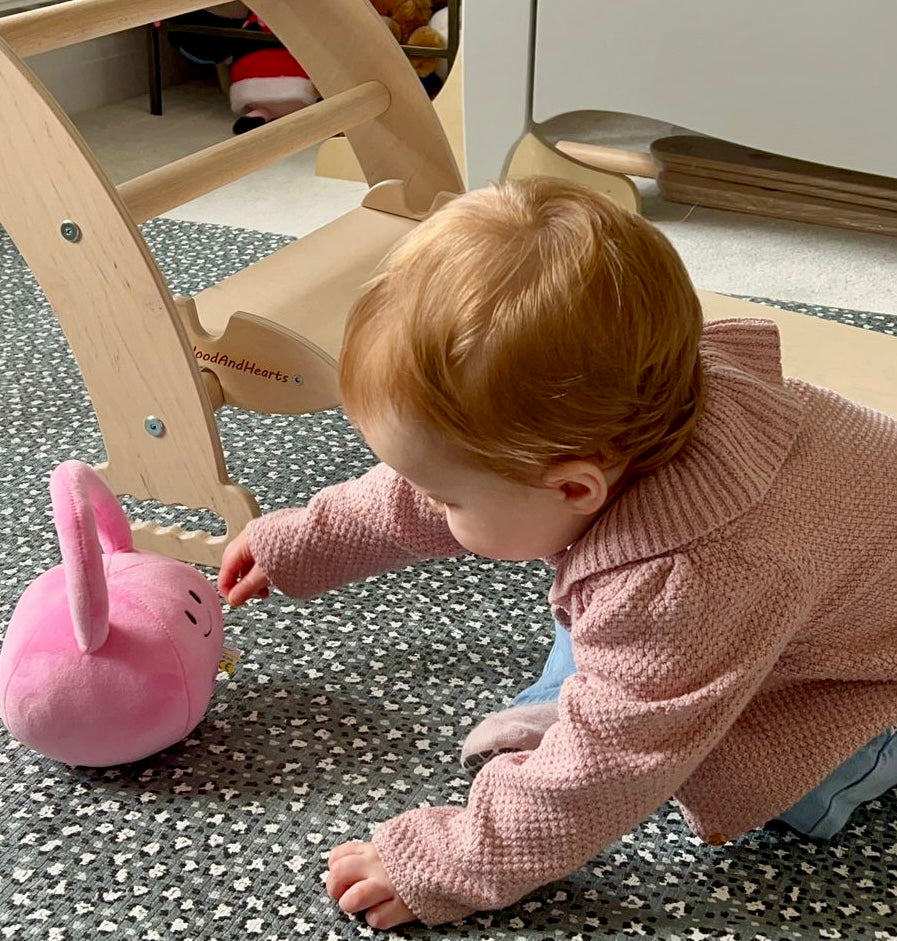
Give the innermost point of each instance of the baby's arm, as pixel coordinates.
(373, 524)
(667, 664)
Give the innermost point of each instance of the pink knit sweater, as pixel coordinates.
(734, 623)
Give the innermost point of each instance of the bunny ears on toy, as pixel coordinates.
(89, 523)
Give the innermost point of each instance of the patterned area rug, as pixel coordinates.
(343, 711)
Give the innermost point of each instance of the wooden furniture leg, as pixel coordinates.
(533, 156)
(154, 62)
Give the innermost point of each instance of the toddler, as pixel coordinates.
(531, 367)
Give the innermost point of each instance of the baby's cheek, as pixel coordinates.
(468, 535)
(455, 526)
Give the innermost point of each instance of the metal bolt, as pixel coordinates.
(155, 426)
(71, 231)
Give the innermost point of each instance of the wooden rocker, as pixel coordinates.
(157, 367)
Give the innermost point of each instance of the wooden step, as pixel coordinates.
(723, 194)
(707, 157)
(774, 186)
(271, 333)
(308, 285)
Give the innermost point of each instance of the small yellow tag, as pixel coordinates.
(229, 659)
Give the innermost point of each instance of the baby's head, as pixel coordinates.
(526, 327)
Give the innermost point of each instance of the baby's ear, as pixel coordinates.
(581, 485)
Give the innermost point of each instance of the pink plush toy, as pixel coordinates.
(112, 655)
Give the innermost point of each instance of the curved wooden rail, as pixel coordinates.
(116, 311)
(64, 24)
(408, 136)
(408, 141)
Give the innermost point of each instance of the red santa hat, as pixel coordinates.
(269, 76)
(266, 63)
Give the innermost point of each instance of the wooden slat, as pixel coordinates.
(706, 156)
(630, 162)
(65, 24)
(719, 194)
(182, 180)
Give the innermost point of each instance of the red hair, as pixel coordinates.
(531, 322)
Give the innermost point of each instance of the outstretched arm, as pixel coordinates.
(376, 523)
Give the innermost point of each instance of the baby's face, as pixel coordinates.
(487, 513)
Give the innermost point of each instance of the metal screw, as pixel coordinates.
(155, 426)
(71, 231)
(298, 380)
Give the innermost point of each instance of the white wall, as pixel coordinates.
(812, 79)
(105, 70)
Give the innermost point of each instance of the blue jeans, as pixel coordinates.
(822, 813)
(558, 667)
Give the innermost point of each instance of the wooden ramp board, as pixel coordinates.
(858, 364)
(309, 285)
(773, 186)
(759, 200)
(707, 157)
(270, 335)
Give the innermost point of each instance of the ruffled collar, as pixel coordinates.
(750, 420)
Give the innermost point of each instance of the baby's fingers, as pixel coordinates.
(236, 561)
(389, 914)
(352, 848)
(253, 583)
(364, 895)
(347, 867)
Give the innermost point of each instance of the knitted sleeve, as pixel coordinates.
(667, 659)
(373, 524)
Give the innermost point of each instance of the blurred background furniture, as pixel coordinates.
(812, 79)
(219, 23)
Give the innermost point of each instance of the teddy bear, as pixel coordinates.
(410, 23)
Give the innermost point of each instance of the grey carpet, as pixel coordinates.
(344, 711)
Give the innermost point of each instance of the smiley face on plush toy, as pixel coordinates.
(192, 619)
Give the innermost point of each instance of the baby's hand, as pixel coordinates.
(240, 578)
(358, 882)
